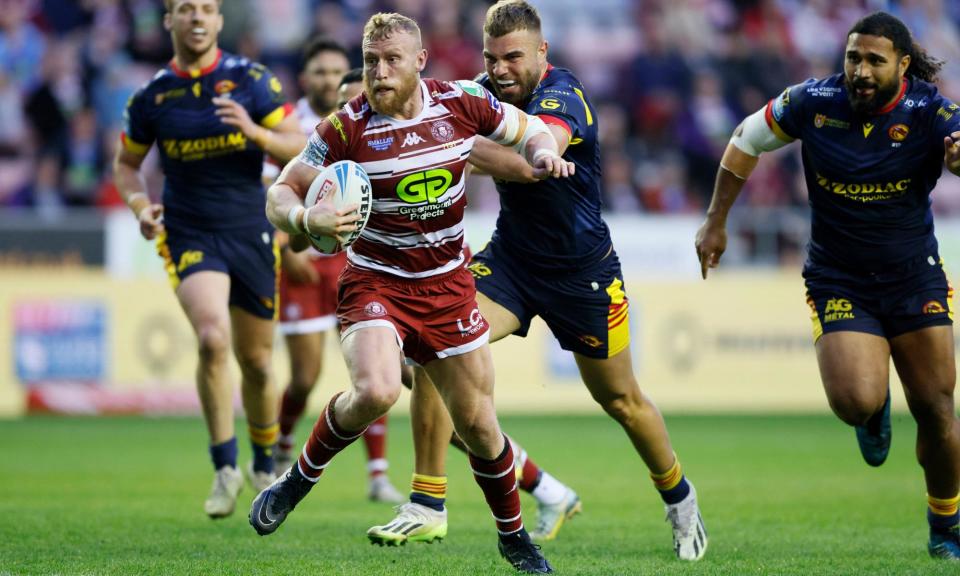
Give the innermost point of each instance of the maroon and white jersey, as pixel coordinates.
(416, 168)
(308, 118)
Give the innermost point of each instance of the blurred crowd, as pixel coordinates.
(670, 80)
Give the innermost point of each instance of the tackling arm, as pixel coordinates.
(529, 135)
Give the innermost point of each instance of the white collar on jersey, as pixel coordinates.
(402, 123)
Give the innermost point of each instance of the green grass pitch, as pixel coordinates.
(780, 495)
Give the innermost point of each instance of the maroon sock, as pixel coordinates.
(530, 478)
(499, 484)
(326, 440)
(291, 409)
(375, 439)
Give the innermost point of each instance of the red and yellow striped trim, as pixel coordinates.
(277, 116)
(433, 486)
(669, 479)
(264, 435)
(944, 506)
(133, 146)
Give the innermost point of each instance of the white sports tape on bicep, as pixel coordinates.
(754, 136)
(517, 128)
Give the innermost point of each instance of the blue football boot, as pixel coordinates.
(874, 436)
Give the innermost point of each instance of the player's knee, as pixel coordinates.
(935, 415)
(214, 343)
(854, 409)
(623, 408)
(377, 396)
(255, 365)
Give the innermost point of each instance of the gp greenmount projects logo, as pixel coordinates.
(425, 190)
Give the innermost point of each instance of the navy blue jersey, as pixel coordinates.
(869, 177)
(556, 224)
(212, 171)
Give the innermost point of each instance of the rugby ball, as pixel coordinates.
(341, 183)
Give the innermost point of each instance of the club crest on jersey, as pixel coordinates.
(224, 86)
(442, 131)
(411, 139)
(898, 132)
(380, 144)
(818, 120)
(375, 309)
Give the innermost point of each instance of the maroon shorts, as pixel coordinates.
(434, 317)
(308, 308)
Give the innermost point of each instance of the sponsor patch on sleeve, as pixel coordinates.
(780, 105)
(315, 152)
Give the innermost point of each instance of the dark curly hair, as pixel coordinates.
(922, 65)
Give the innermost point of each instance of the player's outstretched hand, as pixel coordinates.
(232, 113)
(711, 242)
(151, 221)
(551, 166)
(297, 267)
(322, 219)
(951, 152)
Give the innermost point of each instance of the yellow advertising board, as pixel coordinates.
(738, 342)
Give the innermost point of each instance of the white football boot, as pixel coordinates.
(689, 533)
(381, 490)
(413, 523)
(227, 483)
(258, 480)
(550, 517)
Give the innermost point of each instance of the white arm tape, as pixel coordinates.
(517, 128)
(754, 136)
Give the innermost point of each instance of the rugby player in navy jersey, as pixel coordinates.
(213, 115)
(551, 256)
(875, 139)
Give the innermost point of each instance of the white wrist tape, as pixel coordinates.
(541, 152)
(306, 220)
(754, 136)
(293, 217)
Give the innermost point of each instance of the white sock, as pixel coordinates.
(550, 490)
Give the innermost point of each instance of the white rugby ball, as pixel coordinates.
(341, 183)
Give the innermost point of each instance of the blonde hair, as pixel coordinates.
(382, 25)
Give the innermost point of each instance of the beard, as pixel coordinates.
(518, 93)
(882, 94)
(391, 102)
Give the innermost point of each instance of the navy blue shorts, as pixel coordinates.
(250, 257)
(904, 299)
(587, 311)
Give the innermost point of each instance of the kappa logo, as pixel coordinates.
(411, 139)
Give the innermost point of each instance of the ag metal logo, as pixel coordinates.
(426, 186)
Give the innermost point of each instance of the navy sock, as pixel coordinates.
(942, 523)
(428, 501)
(224, 454)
